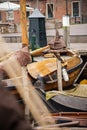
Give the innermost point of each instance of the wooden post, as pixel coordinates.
(67, 36)
(59, 75)
(23, 21)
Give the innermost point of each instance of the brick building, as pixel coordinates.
(54, 10)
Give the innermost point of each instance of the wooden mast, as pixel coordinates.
(23, 22)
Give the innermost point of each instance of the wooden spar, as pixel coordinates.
(23, 21)
(59, 75)
(59, 72)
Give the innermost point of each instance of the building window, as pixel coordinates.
(49, 10)
(10, 15)
(76, 8)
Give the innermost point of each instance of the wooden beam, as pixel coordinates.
(23, 21)
(59, 75)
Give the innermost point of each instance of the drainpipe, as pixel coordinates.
(81, 11)
(66, 7)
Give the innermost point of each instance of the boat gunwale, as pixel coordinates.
(75, 67)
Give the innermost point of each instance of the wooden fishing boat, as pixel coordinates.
(46, 67)
(71, 100)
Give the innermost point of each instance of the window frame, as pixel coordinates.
(47, 10)
(78, 8)
(10, 15)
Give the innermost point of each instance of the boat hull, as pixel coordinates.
(73, 68)
(47, 69)
(54, 85)
(71, 102)
(64, 103)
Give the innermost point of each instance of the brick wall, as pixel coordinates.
(16, 17)
(59, 7)
(84, 11)
(59, 10)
